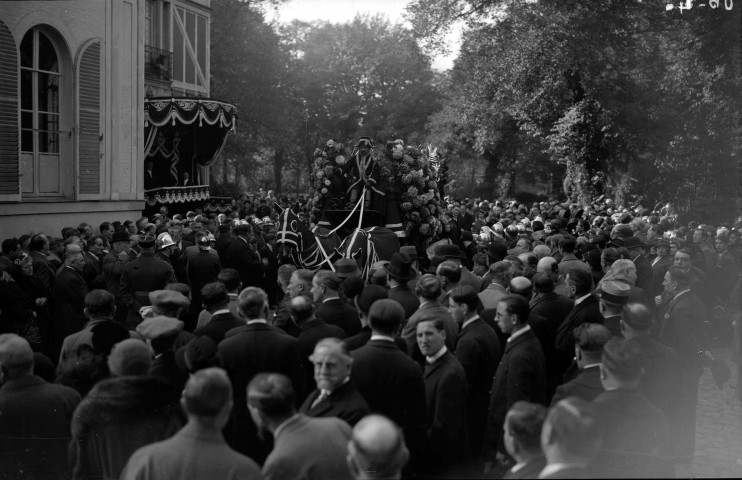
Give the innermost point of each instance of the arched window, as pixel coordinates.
(45, 158)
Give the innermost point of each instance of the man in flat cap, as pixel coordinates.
(613, 296)
(142, 276)
(161, 333)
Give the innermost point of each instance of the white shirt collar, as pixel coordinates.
(438, 355)
(680, 293)
(256, 320)
(382, 337)
(582, 298)
(328, 299)
(218, 312)
(463, 326)
(518, 333)
(555, 467)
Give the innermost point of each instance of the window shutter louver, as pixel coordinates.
(89, 151)
(9, 127)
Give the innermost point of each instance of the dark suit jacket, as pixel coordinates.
(312, 332)
(683, 326)
(479, 351)
(242, 258)
(201, 269)
(659, 270)
(336, 312)
(662, 374)
(69, 302)
(344, 403)
(219, 325)
(634, 436)
(361, 338)
(392, 385)
(164, 367)
(586, 385)
(586, 311)
(445, 392)
(644, 273)
(245, 352)
(552, 306)
(93, 271)
(43, 270)
(405, 297)
(141, 276)
(35, 419)
(520, 376)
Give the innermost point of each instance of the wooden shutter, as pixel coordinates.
(89, 151)
(9, 127)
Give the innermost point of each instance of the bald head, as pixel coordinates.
(541, 251)
(377, 449)
(546, 265)
(300, 308)
(521, 286)
(16, 356)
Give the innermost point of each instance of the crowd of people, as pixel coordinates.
(545, 341)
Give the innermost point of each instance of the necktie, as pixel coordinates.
(323, 394)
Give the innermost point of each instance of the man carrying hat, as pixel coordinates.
(399, 272)
(142, 276)
(161, 333)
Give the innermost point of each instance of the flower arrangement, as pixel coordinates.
(327, 178)
(409, 167)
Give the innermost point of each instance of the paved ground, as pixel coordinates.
(718, 428)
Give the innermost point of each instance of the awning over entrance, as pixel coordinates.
(183, 136)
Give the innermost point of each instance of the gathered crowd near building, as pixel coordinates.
(550, 340)
(376, 323)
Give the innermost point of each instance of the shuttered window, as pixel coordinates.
(89, 151)
(9, 147)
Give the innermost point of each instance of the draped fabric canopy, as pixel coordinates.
(185, 135)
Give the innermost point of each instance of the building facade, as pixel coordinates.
(75, 79)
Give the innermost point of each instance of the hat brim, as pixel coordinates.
(410, 276)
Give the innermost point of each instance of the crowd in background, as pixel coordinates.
(554, 340)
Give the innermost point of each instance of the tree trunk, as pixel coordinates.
(278, 168)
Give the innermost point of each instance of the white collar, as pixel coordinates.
(582, 298)
(468, 322)
(328, 299)
(218, 312)
(438, 355)
(381, 337)
(518, 333)
(680, 293)
(256, 320)
(552, 468)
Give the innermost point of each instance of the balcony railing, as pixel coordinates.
(158, 64)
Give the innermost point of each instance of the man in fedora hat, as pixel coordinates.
(399, 272)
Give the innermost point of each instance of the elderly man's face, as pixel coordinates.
(697, 236)
(331, 367)
(96, 247)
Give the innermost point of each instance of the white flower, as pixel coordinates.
(340, 160)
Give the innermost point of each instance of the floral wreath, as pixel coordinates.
(327, 165)
(419, 198)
